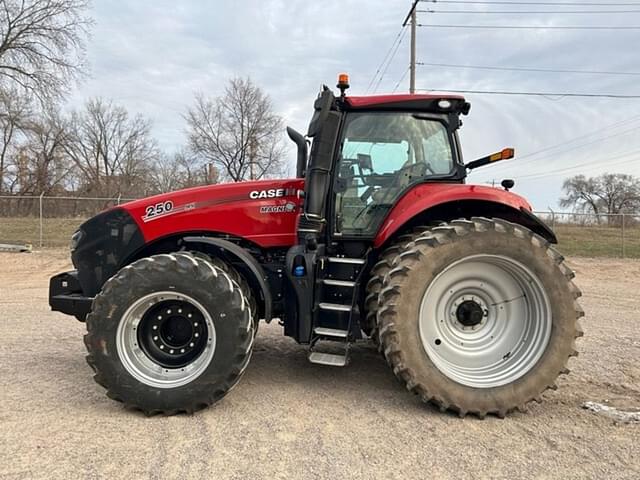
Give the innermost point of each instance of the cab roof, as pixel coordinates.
(403, 101)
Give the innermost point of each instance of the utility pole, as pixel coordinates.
(412, 65)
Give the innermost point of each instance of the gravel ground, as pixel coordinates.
(291, 419)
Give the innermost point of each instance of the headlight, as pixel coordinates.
(75, 240)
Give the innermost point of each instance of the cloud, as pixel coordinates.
(152, 56)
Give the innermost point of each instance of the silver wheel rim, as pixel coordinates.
(140, 365)
(504, 343)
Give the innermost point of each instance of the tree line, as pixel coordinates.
(101, 149)
(606, 194)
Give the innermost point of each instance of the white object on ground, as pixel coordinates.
(612, 412)
(7, 247)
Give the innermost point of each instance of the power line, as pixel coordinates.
(527, 69)
(582, 167)
(533, 94)
(531, 27)
(519, 163)
(395, 40)
(386, 68)
(395, 89)
(529, 12)
(586, 135)
(505, 2)
(590, 165)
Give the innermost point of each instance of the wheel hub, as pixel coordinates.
(469, 313)
(172, 333)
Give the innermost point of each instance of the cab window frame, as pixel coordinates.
(456, 174)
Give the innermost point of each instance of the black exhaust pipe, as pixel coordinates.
(299, 140)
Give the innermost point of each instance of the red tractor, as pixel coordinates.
(378, 235)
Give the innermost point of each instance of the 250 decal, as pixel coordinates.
(157, 210)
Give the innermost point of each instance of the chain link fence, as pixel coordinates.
(45, 221)
(595, 235)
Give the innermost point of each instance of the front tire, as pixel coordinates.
(479, 316)
(169, 333)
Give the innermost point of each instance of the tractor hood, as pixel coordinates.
(263, 212)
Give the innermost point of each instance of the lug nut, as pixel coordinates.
(155, 338)
(171, 351)
(168, 312)
(182, 350)
(191, 344)
(161, 347)
(195, 324)
(155, 327)
(196, 334)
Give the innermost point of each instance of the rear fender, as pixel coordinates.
(431, 203)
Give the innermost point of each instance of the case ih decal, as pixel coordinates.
(272, 193)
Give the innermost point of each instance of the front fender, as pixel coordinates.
(258, 275)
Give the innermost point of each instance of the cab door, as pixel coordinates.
(381, 155)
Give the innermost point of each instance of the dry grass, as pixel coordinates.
(56, 232)
(593, 241)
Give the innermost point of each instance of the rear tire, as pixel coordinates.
(450, 357)
(385, 263)
(169, 333)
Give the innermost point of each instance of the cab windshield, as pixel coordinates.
(381, 155)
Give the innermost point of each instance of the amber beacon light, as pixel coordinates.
(343, 82)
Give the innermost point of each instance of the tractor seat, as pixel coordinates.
(407, 173)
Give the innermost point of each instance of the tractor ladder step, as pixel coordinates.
(330, 333)
(335, 307)
(329, 359)
(351, 261)
(339, 283)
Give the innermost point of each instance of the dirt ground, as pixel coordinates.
(290, 419)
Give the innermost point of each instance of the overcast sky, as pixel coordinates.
(152, 56)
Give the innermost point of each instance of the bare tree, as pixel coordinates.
(113, 153)
(46, 167)
(42, 44)
(609, 193)
(238, 132)
(180, 170)
(15, 113)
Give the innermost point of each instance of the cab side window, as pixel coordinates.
(381, 155)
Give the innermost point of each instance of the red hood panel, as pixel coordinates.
(264, 212)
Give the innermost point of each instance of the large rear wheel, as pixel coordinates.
(479, 316)
(169, 333)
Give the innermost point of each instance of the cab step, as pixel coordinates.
(350, 261)
(329, 359)
(336, 307)
(331, 332)
(339, 283)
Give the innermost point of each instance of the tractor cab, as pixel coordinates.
(366, 153)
